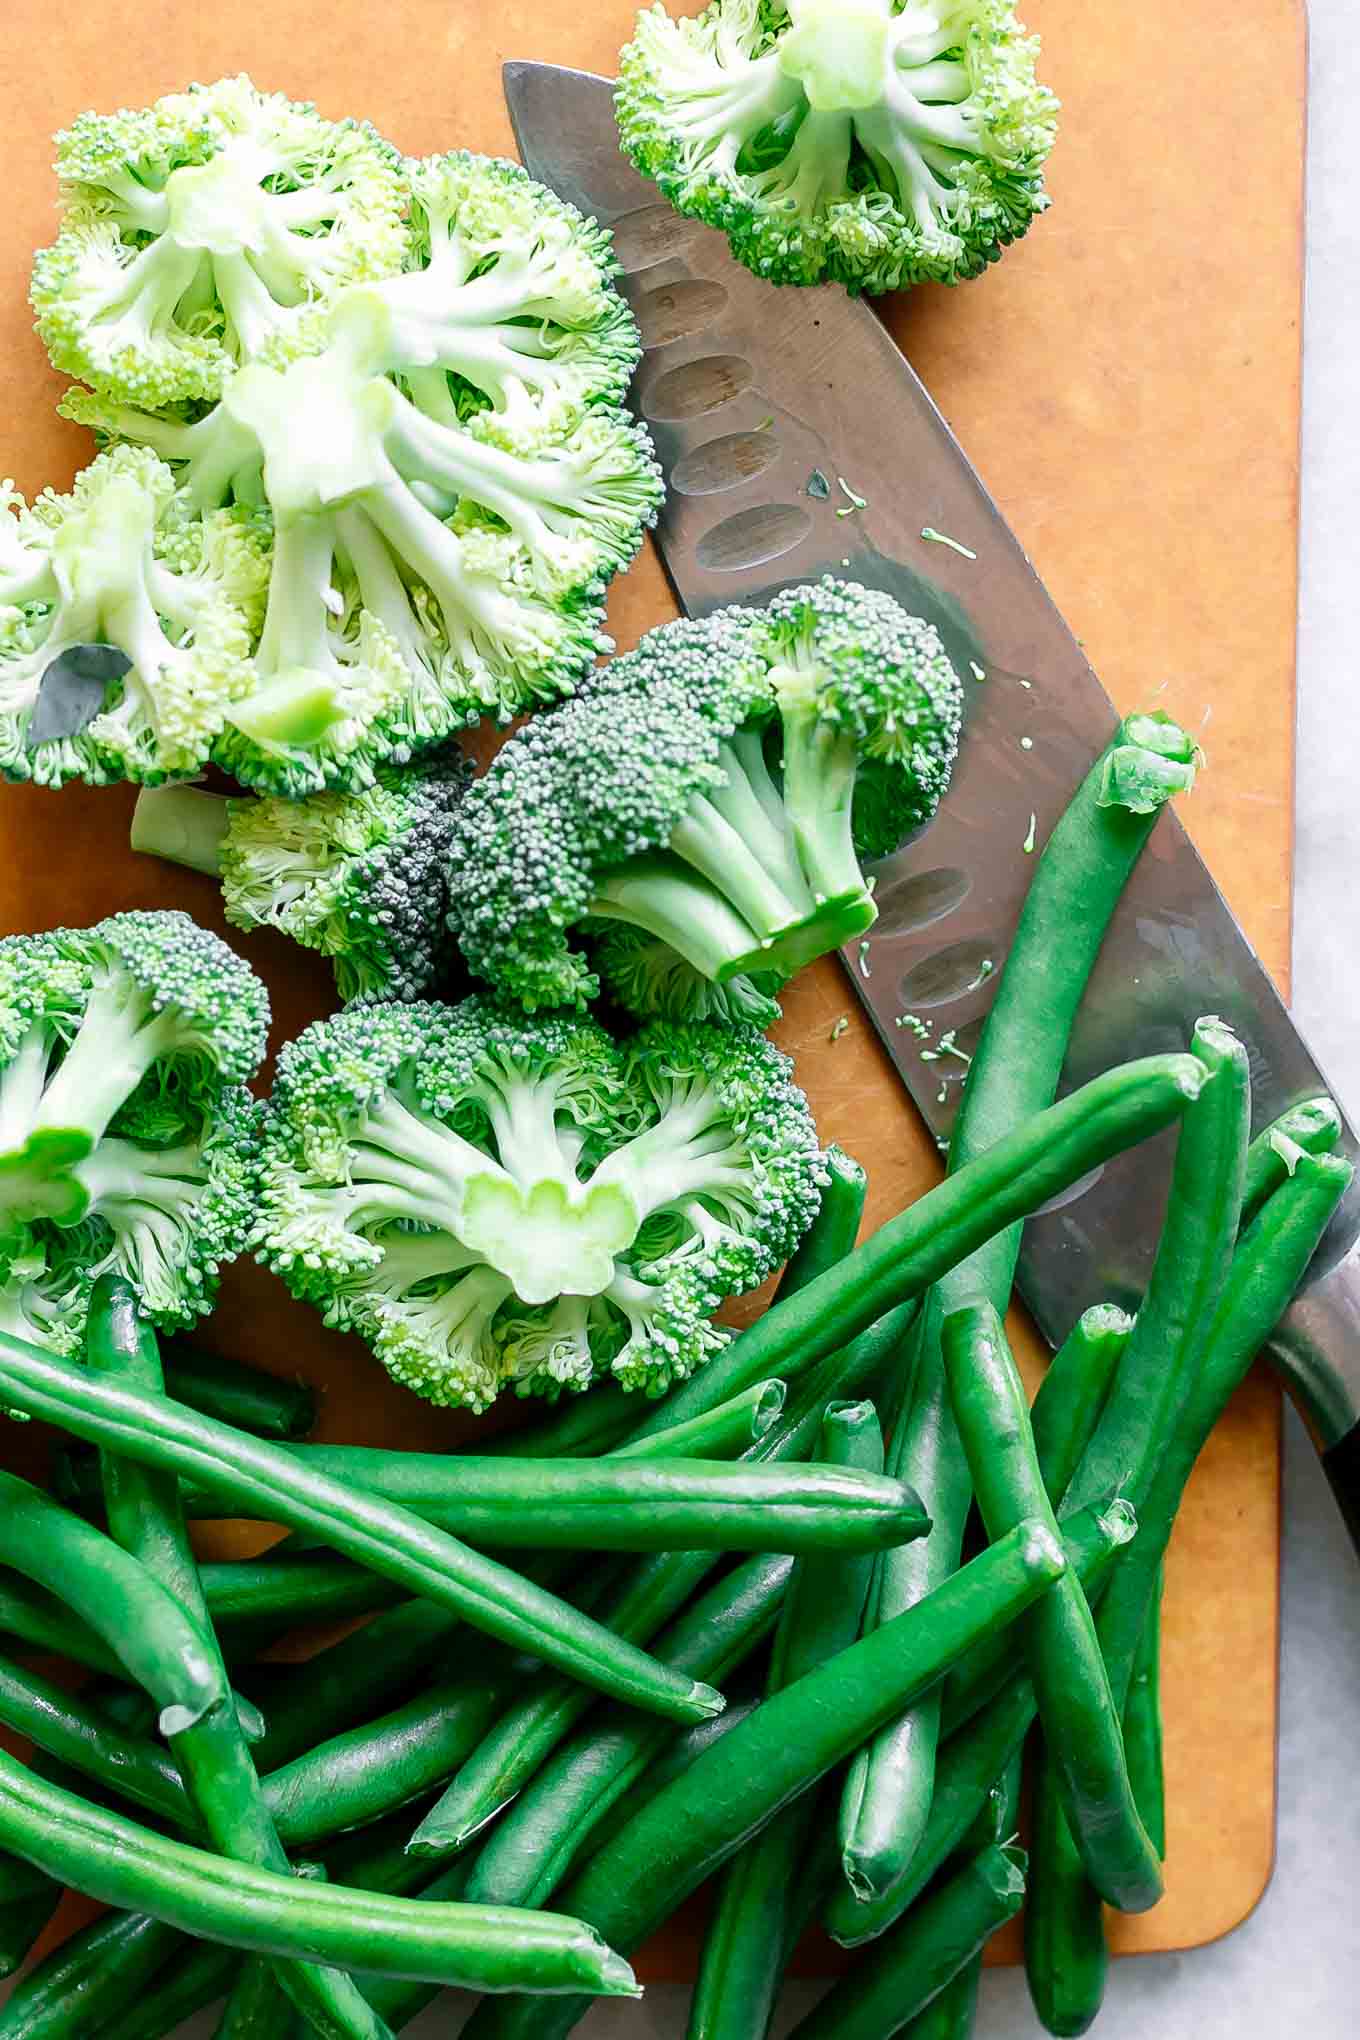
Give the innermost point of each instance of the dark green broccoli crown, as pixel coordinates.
(702, 789)
(184, 973)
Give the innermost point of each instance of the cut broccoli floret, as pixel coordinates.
(494, 1200)
(361, 877)
(703, 790)
(127, 1137)
(202, 231)
(122, 562)
(425, 573)
(874, 143)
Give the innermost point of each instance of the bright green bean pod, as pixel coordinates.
(1143, 1724)
(1081, 1718)
(724, 1432)
(184, 1987)
(1314, 1126)
(684, 1833)
(952, 2012)
(584, 1424)
(22, 1920)
(1074, 1391)
(743, 1952)
(79, 1736)
(613, 1504)
(1198, 1235)
(987, 1713)
(1271, 1259)
(159, 1433)
(1066, 1959)
(211, 1753)
(36, 1618)
(143, 1625)
(256, 2008)
(887, 1988)
(984, 1197)
(475, 1947)
(532, 1847)
(647, 1597)
(363, 1675)
(237, 1394)
(681, 1748)
(88, 1980)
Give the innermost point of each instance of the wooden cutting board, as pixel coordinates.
(1127, 383)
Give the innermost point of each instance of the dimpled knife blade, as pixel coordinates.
(753, 393)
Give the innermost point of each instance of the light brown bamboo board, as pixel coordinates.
(1126, 381)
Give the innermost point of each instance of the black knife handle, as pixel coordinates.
(1342, 1462)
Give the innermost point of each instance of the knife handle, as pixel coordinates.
(1316, 1352)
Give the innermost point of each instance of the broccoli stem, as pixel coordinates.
(181, 824)
(661, 896)
(750, 801)
(820, 763)
(717, 852)
(120, 1036)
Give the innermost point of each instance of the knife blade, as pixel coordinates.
(796, 439)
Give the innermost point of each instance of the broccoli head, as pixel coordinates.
(703, 794)
(360, 877)
(493, 1200)
(127, 1136)
(874, 143)
(427, 569)
(205, 229)
(123, 562)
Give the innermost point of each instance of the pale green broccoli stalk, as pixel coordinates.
(873, 143)
(425, 574)
(127, 1136)
(495, 1201)
(360, 877)
(204, 230)
(122, 561)
(509, 303)
(703, 790)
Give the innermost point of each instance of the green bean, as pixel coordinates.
(742, 1959)
(294, 1589)
(256, 2008)
(1081, 1719)
(238, 1394)
(198, 1979)
(1271, 1259)
(478, 1947)
(681, 1748)
(88, 1979)
(684, 1833)
(969, 1765)
(143, 1625)
(211, 1753)
(530, 1850)
(79, 1736)
(22, 1920)
(618, 1504)
(364, 1674)
(371, 1770)
(987, 1714)
(976, 1204)
(163, 1434)
(1066, 1959)
(40, 1620)
(649, 1594)
(591, 1423)
(724, 1432)
(1314, 1125)
(952, 2012)
(887, 1988)
(1074, 1391)
(1202, 1215)
(1143, 1724)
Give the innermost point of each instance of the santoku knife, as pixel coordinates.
(761, 401)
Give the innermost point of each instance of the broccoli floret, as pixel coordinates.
(361, 877)
(123, 562)
(703, 790)
(127, 1136)
(874, 143)
(203, 230)
(493, 1200)
(508, 305)
(425, 573)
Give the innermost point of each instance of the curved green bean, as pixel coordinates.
(363, 1675)
(1143, 1723)
(159, 1433)
(256, 2008)
(888, 1987)
(1066, 1959)
(79, 1736)
(1314, 1125)
(88, 1980)
(145, 1628)
(1074, 1391)
(477, 1947)
(1081, 1718)
(743, 1953)
(237, 1394)
(684, 1833)
(211, 1753)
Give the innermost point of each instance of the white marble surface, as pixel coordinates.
(1294, 1967)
